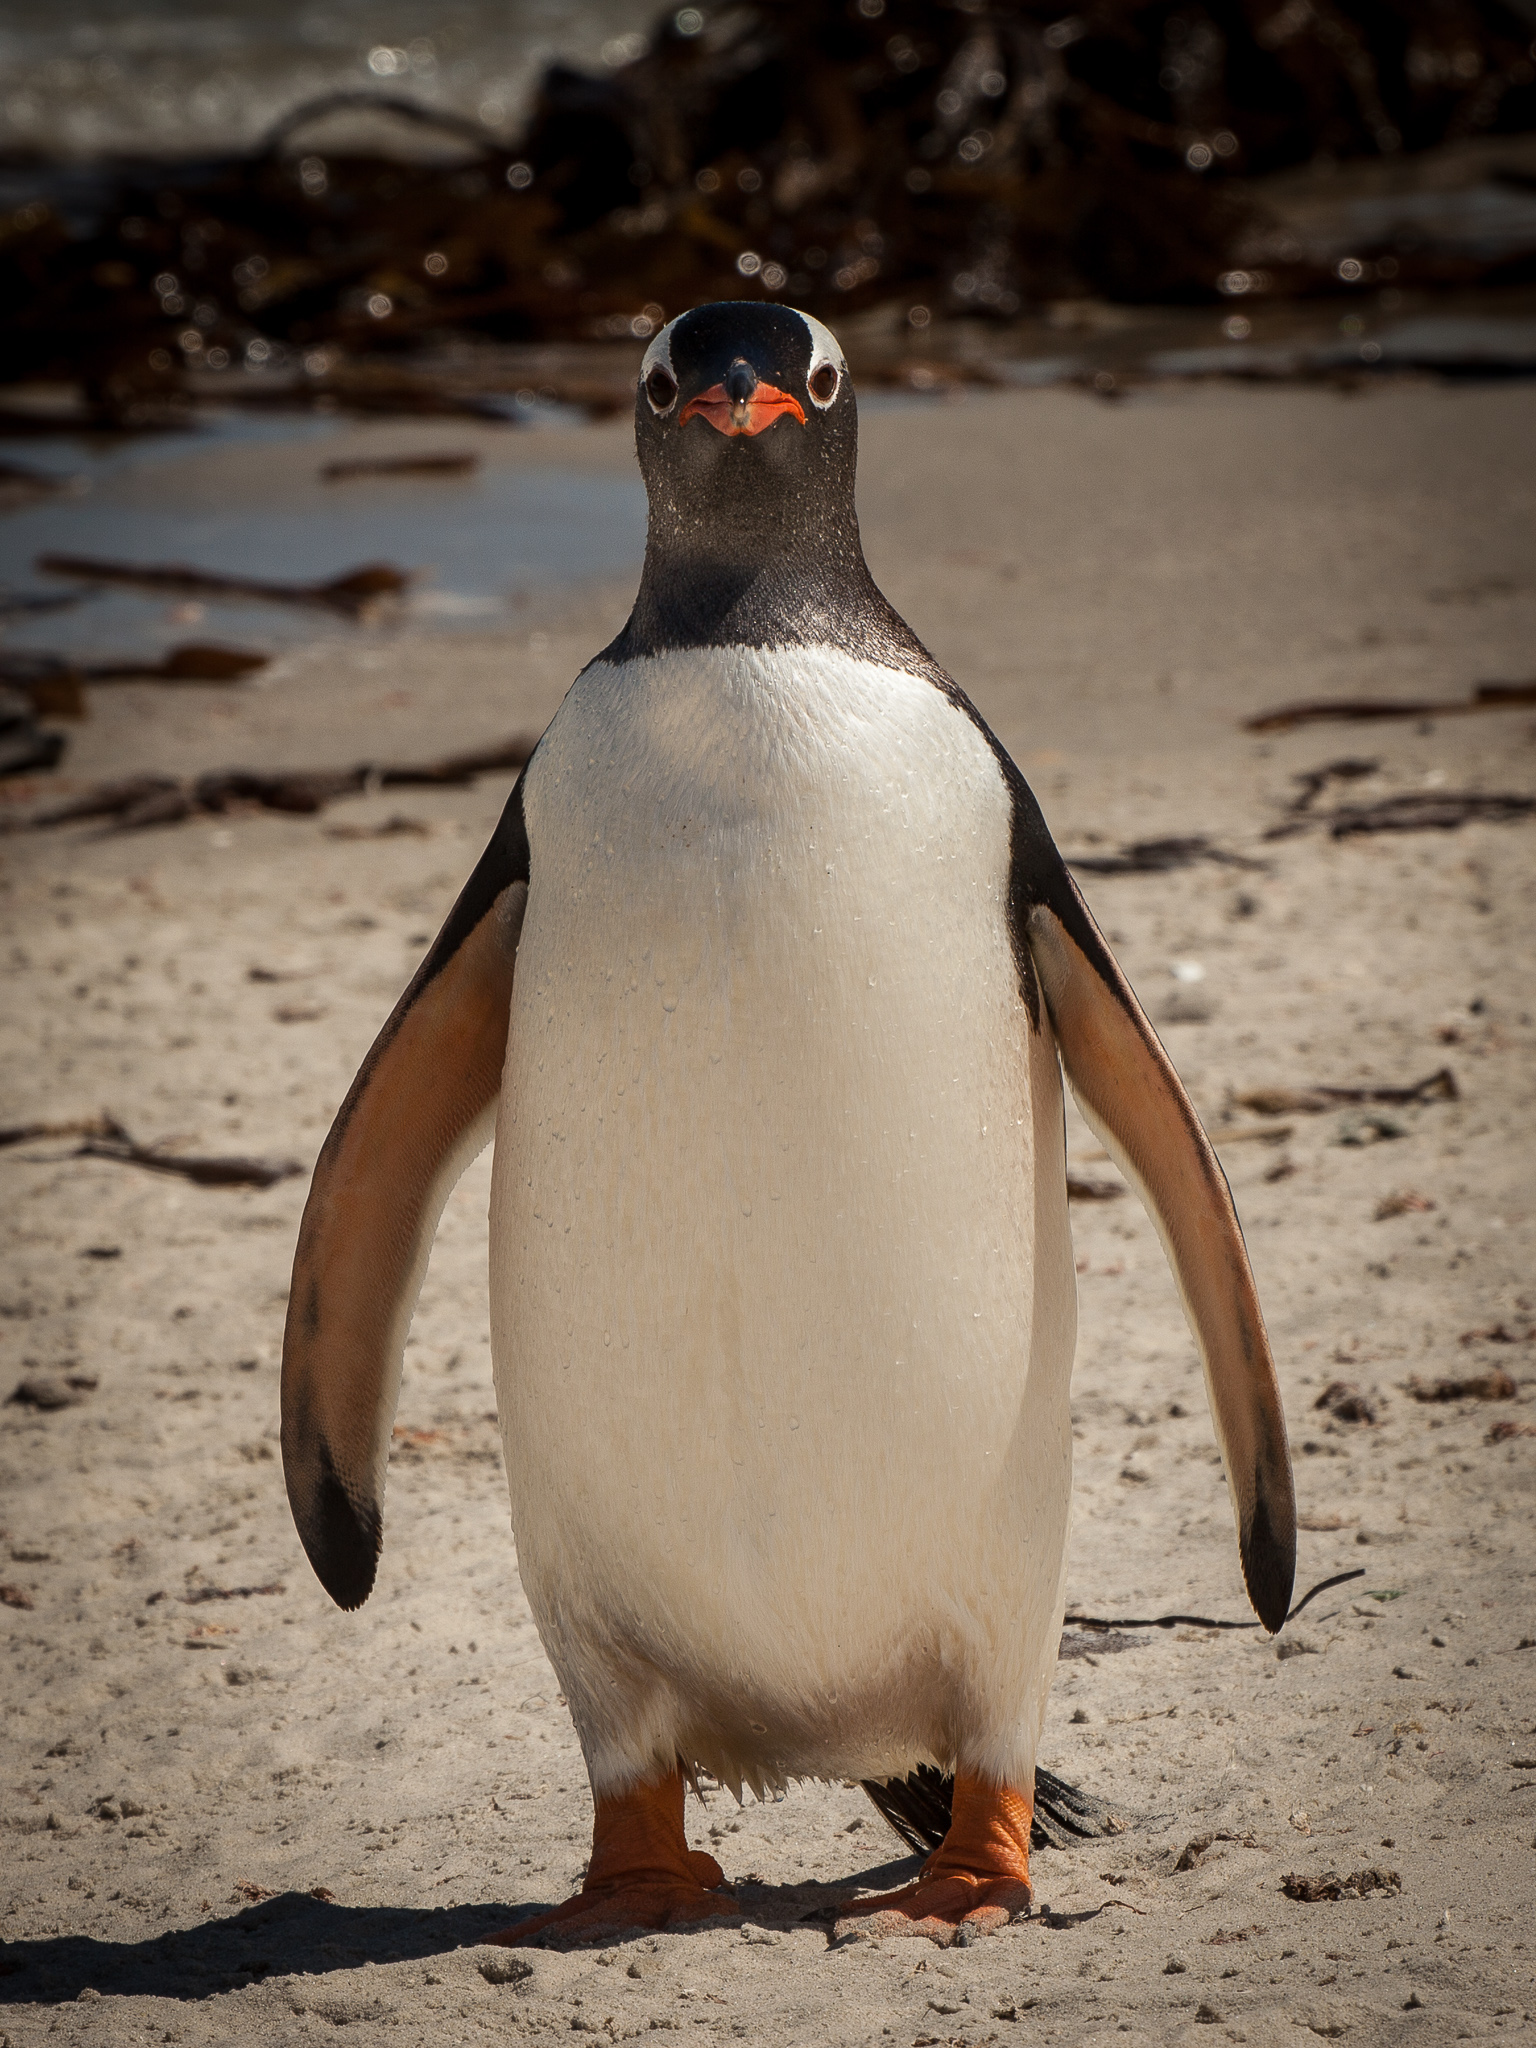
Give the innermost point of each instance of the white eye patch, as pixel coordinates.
(825, 355)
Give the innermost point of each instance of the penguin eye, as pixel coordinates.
(823, 383)
(661, 389)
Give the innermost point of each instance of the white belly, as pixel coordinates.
(783, 1306)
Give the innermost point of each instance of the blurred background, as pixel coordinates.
(231, 224)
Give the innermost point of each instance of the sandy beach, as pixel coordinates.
(232, 1813)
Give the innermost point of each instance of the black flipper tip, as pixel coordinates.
(1269, 1567)
(342, 1535)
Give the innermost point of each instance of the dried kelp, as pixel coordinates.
(101, 1126)
(1494, 1385)
(1099, 1621)
(1160, 857)
(1430, 811)
(357, 595)
(1318, 710)
(398, 465)
(140, 801)
(1439, 1086)
(1426, 810)
(25, 747)
(233, 1171)
(1344, 1401)
(1360, 1884)
(54, 685)
(105, 1138)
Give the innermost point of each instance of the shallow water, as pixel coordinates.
(475, 544)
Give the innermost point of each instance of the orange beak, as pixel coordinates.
(743, 415)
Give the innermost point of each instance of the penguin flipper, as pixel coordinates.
(1128, 1091)
(422, 1106)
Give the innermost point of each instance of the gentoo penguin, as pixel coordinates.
(765, 983)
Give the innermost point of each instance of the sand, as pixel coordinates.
(254, 1818)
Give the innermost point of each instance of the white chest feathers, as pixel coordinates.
(779, 1244)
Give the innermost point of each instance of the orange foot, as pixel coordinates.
(642, 1873)
(978, 1876)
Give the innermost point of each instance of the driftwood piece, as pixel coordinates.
(1321, 710)
(1439, 1086)
(356, 594)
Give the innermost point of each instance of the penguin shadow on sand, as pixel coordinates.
(297, 1935)
(290, 1935)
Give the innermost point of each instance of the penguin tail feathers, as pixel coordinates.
(920, 1806)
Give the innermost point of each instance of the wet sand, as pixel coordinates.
(255, 1818)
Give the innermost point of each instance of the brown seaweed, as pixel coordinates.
(25, 747)
(1160, 857)
(1493, 1385)
(105, 1138)
(55, 685)
(1439, 1086)
(357, 594)
(233, 1171)
(1329, 1885)
(1430, 810)
(398, 465)
(101, 1126)
(1318, 710)
(1343, 1400)
(139, 801)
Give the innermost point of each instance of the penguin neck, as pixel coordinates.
(780, 580)
(750, 589)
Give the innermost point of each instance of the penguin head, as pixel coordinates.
(746, 428)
